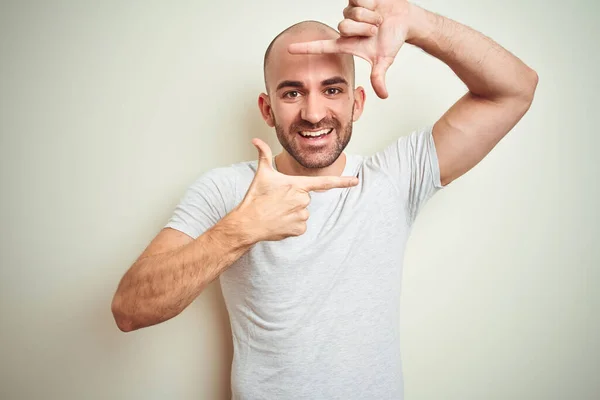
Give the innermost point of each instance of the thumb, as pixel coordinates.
(265, 156)
(378, 76)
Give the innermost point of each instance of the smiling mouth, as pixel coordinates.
(316, 134)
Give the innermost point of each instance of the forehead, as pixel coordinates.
(307, 68)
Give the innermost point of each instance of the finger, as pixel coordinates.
(309, 183)
(315, 47)
(304, 214)
(350, 27)
(360, 14)
(368, 4)
(378, 76)
(265, 157)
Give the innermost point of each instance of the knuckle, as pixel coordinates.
(345, 25)
(355, 13)
(300, 229)
(302, 198)
(304, 214)
(306, 200)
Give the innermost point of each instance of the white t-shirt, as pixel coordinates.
(318, 316)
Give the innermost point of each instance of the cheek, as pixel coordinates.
(285, 114)
(343, 111)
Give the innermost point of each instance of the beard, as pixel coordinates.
(309, 158)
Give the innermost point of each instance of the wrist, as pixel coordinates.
(242, 227)
(420, 24)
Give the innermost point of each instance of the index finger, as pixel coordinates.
(310, 183)
(316, 47)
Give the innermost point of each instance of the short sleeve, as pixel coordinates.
(412, 162)
(205, 202)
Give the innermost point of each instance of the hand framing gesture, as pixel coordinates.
(374, 30)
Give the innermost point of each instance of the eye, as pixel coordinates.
(332, 91)
(292, 94)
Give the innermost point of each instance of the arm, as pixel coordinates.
(500, 86)
(501, 89)
(174, 270)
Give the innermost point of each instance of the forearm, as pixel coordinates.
(160, 287)
(487, 69)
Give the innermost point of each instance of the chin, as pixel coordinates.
(321, 155)
(316, 161)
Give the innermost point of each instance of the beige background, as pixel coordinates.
(109, 110)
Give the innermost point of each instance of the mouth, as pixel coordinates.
(312, 135)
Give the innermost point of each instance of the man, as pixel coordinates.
(309, 245)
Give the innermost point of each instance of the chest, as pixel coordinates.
(353, 249)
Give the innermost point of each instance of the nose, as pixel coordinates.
(313, 109)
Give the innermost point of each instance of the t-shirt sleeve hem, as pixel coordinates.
(434, 164)
(188, 230)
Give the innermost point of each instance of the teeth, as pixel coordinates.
(317, 133)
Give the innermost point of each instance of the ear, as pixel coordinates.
(264, 104)
(359, 102)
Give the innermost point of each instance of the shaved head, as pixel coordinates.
(310, 99)
(303, 32)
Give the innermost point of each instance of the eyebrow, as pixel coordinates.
(336, 80)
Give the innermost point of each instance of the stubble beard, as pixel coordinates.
(311, 159)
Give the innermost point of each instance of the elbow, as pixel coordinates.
(531, 82)
(534, 78)
(128, 320)
(522, 98)
(124, 321)
(125, 325)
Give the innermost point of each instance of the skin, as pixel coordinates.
(174, 268)
(500, 86)
(310, 92)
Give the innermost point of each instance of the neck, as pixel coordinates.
(287, 165)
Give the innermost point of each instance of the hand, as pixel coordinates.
(275, 204)
(373, 30)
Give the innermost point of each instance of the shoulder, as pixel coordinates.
(227, 175)
(226, 182)
(400, 153)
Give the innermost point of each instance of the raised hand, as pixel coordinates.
(275, 204)
(374, 30)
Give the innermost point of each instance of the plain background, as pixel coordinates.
(109, 110)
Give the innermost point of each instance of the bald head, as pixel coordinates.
(303, 32)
